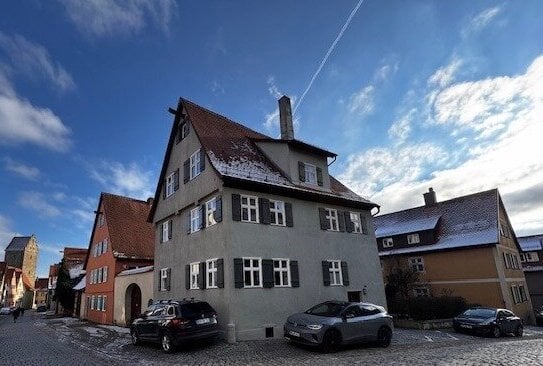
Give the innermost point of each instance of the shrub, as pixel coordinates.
(440, 307)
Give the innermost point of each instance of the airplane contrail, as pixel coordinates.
(353, 13)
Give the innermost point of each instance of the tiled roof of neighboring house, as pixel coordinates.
(130, 235)
(233, 153)
(41, 283)
(132, 271)
(531, 243)
(53, 270)
(407, 226)
(465, 221)
(18, 243)
(75, 255)
(27, 283)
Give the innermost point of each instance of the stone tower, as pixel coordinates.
(22, 252)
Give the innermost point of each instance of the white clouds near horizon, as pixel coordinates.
(25, 171)
(108, 18)
(480, 21)
(127, 180)
(37, 202)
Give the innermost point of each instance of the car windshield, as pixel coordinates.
(150, 309)
(480, 313)
(330, 309)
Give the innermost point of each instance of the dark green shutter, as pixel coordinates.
(238, 272)
(294, 275)
(169, 278)
(176, 180)
(202, 160)
(186, 171)
(217, 215)
(288, 214)
(236, 207)
(162, 233)
(301, 171)
(187, 277)
(364, 223)
(264, 210)
(345, 273)
(319, 176)
(326, 273)
(170, 224)
(203, 219)
(323, 220)
(349, 225)
(341, 220)
(267, 273)
(220, 273)
(202, 276)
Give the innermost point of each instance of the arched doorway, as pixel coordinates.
(132, 306)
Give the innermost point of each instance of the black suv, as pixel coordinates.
(171, 323)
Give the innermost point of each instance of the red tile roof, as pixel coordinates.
(41, 283)
(26, 282)
(233, 153)
(75, 255)
(131, 236)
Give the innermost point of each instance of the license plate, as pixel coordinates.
(466, 326)
(203, 321)
(295, 334)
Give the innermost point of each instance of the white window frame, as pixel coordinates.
(277, 213)
(252, 269)
(99, 302)
(417, 264)
(104, 246)
(531, 257)
(332, 217)
(194, 276)
(170, 181)
(310, 171)
(357, 222)
(281, 270)
(104, 297)
(388, 242)
(92, 302)
(211, 272)
(163, 278)
(336, 275)
(421, 292)
(413, 238)
(195, 219)
(101, 219)
(184, 130)
(210, 208)
(516, 294)
(104, 269)
(195, 164)
(249, 208)
(166, 231)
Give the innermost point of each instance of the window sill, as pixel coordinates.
(252, 286)
(249, 222)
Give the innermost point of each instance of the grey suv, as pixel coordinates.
(334, 323)
(171, 322)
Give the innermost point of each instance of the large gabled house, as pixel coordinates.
(121, 239)
(257, 226)
(464, 247)
(531, 258)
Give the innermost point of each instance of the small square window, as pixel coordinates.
(211, 207)
(252, 272)
(185, 129)
(310, 174)
(421, 292)
(195, 164)
(336, 277)
(413, 239)
(355, 219)
(281, 272)
(249, 209)
(170, 179)
(195, 219)
(388, 243)
(417, 264)
(331, 216)
(277, 213)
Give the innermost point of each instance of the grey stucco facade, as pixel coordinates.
(253, 310)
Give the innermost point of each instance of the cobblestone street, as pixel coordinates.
(34, 340)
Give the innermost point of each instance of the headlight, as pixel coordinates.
(314, 326)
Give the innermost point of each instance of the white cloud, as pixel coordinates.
(400, 129)
(480, 21)
(362, 102)
(37, 202)
(131, 180)
(445, 75)
(106, 18)
(32, 59)
(22, 122)
(500, 119)
(6, 233)
(25, 171)
(273, 89)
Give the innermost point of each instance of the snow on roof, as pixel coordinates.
(411, 226)
(464, 221)
(136, 271)
(532, 268)
(531, 243)
(81, 284)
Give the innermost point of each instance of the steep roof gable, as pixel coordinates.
(465, 221)
(131, 236)
(233, 153)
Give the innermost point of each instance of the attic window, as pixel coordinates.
(184, 130)
(388, 243)
(310, 174)
(101, 219)
(413, 238)
(195, 164)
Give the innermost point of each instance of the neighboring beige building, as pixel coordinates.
(133, 291)
(463, 247)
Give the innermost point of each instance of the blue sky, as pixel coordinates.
(410, 95)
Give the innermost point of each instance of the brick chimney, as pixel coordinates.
(430, 198)
(285, 118)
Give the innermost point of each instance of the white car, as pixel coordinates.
(5, 311)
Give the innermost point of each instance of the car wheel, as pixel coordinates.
(167, 345)
(135, 338)
(519, 331)
(384, 336)
(331, 341)
(496, 332)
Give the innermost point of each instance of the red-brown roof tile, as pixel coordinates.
(131, 236)
(26, 282)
